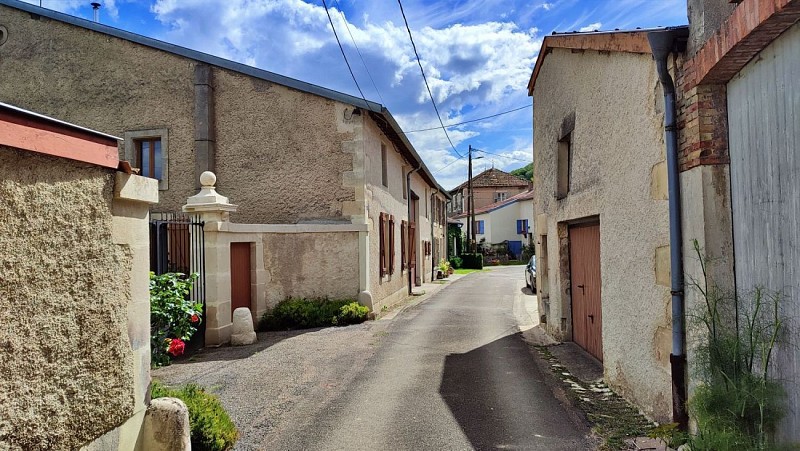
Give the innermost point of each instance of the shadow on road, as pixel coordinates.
(227, 352)
(527, 291)
(500, 399)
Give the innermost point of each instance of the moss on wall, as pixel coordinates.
(66, 368)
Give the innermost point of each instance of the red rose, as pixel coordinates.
(195, 318)
(176, 347)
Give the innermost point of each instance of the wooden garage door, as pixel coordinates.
(240, 275)
(584, 260)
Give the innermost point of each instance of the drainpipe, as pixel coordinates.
(662, 43)
(433, 258)
(408, 201)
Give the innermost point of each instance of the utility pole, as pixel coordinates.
(470, 225)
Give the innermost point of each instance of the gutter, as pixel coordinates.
(408, 199)
(663, 43)
(433, 259)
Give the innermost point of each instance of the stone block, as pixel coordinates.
(166, 426)
(135, 188)
(243, 333)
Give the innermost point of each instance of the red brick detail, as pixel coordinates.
(702, 120)
(750, 28)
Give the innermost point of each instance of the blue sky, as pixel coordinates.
(477, 54)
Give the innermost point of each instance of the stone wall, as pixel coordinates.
(614, 104)
(73, 298)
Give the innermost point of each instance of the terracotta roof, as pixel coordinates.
(491, 178)
(630, 41)
(526, 195)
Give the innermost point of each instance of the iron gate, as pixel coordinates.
(177, 245)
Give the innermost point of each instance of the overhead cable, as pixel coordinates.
(471, 120)
(343, 54)
(359, 52)
(425, 79)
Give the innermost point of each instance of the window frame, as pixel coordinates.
(479, 227)
(564, 166)
(132, 142)
(384, 166)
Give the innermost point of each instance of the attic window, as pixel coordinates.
(499, 197)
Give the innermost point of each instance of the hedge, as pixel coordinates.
(472, 261)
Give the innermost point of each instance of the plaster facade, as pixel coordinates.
(75, 366)
(616, 178)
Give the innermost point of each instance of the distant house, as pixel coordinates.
(333, 200)
(508, 222)
(602, 232)
(490, 186)
(74, 304)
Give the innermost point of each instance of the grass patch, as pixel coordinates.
(612, 418)
(463, 271)
(211, 427)
(308, 313)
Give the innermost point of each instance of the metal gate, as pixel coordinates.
(584, 261)
(177, 245)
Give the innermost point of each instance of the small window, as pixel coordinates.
(148, 150)
(479, 227)
(522, 226)
(384, 166)
(499, 197)
(564, 169)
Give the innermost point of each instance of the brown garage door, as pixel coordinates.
(240, 275)
(584, 260)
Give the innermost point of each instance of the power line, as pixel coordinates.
(471, 120)
(448, 165)
(359, 52)
(503, 156)
(343, 54)
(425, 79)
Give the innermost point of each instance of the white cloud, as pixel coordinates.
(591, 27)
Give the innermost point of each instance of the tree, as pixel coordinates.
(525, 172)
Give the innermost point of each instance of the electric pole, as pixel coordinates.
(470, 204)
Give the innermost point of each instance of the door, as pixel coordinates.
(584, 261)
(240, 275)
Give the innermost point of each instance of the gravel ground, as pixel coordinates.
(281, 382)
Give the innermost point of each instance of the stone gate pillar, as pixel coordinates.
(214, 210)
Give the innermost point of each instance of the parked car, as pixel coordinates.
(530, 274)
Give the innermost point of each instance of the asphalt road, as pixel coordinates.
(451, 373)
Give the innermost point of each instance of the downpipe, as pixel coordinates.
(662, 44)
(408, 202)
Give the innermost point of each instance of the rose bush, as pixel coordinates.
(174, 317)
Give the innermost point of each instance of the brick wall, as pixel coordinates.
(701, 80)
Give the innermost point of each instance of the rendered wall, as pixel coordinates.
(618, 174)
(74, 363)
(501, 224)
(288, 143)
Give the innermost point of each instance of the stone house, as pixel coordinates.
(508, 221)
(489, 187)
(328, 188)
(74, 302)
(738, 110)
(601, 229)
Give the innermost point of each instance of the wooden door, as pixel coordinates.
(240, 275)
(584, 259)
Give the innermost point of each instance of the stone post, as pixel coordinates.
(214, 209)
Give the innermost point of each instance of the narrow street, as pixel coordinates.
(453, 372)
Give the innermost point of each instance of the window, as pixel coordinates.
(148, 150)
(564, 169)
(384, 165)
(499, 197)
(386, 233)
(522, 226)
(479, 227)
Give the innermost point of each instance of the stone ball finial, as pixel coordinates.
(208, 179)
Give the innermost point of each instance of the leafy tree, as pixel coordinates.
(525, 172)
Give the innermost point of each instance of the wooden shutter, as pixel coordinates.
(391, 244)
(403, 232)
(412, 249)
(382, 232)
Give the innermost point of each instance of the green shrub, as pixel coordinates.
(211, 427)
(352, 313)
(298, 313)
(472, 261)
(174, 317)
(456, 262)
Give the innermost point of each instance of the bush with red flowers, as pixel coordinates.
(174, 317)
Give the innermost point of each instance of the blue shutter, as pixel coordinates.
(480, 227)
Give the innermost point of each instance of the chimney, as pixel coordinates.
(96, 8)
